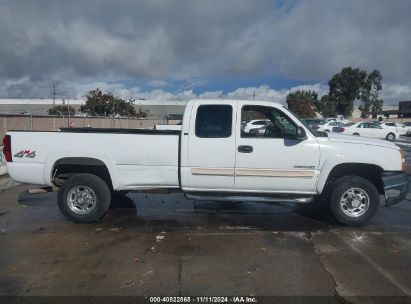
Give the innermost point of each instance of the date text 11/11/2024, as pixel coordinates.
(204, 299)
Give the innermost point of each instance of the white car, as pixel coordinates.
(211, 159)
(399, 127)
(407, 124)
(370, 129)
(255, 124)
(328, 126)
(330, 119)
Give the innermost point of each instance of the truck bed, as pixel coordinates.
(135, 158)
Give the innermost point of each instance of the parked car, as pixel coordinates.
(328, 126)
(259, 131)
(314, 124)
(369, 129)
(255, 124)
(400, 128)
(403, 126)
(341, 129)
(211, 159)
(339, 118)
(407, 124)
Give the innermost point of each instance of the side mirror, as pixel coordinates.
(300, 134)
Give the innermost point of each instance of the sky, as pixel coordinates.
(184, 49)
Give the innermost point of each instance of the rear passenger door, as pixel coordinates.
(209, 157)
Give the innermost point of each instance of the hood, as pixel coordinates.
(354, 139)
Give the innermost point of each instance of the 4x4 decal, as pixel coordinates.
(25, 153)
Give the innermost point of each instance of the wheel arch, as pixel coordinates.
(368, 171)
(60, 168)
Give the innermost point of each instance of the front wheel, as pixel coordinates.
(354, 200)
(84, 198)
(390, 136)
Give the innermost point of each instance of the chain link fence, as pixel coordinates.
(53, 123)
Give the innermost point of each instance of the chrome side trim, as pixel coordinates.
(275, 173)
(212, 171)
(253, 172)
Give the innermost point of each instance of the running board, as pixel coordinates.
(257, 199)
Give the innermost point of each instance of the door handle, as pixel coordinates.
(245, 149)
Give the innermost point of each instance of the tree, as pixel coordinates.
(106, 104)
(345, 87)
(370, 94)
(61, 110)
(303, 103)
(327, 106)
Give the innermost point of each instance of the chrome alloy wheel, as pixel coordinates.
(81, 199)
(354, 202)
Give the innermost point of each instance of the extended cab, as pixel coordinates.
(212, 158)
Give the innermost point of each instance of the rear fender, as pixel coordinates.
(55, 156)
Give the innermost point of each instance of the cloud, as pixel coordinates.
(393, 93)
(157, 83)
(266, 93)
(184, 43)
(263, 92)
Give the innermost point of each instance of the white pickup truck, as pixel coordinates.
(212, 158)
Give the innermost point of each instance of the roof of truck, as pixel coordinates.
(239, 100)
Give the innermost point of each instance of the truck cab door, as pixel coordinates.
(208, 147)
(275, 161)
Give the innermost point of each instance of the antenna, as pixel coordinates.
(253, 95)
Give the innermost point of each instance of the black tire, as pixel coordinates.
(390, 136)
(99, 196)
(356, 134)
(340, 190)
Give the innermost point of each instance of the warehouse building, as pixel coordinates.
(37, 107)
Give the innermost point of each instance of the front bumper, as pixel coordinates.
(395, 186)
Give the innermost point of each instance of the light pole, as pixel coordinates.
(68, 112)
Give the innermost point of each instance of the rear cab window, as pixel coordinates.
(214, 121)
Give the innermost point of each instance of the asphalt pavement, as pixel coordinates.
(166, 245)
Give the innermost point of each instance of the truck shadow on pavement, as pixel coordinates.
(173, 212)
(157, 212)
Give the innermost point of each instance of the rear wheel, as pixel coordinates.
(356, 134)
(354, 200)
(390, 136)
(84, 198)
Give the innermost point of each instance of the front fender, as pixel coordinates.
(325, 171)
